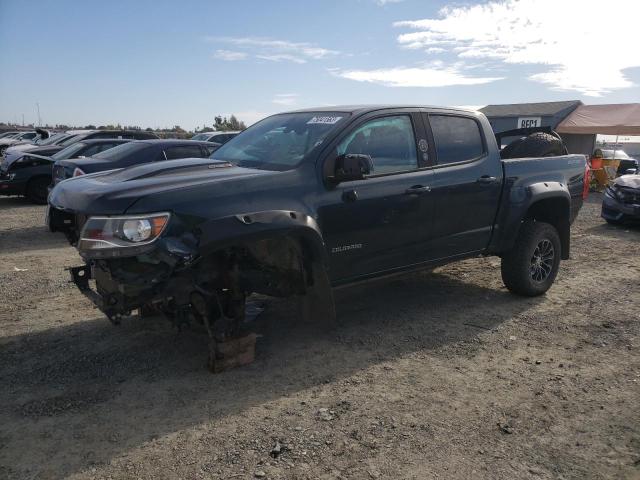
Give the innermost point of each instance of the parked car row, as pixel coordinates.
(27, 167)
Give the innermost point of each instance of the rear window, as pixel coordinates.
(457, 139)
(69, 152)
(183, 151)
(123, 151)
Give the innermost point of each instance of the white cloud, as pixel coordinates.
(277, 50)
(285, 99)
(430, 76)
(229, 55)
(577, 42)
(281, 57)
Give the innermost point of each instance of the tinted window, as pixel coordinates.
(124, 151)
(201, 136)
(143, 136)
(389, 141)
(69, 152)
(183, 151)
(73, 139)
(457, 139)
(93, 149)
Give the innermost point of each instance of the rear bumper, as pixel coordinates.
(614, 209)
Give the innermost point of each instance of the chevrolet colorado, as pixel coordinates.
(305, 201)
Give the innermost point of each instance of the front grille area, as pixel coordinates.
(629, 196)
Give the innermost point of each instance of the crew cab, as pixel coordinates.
(305, 201)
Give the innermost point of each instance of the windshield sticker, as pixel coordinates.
(324, 120)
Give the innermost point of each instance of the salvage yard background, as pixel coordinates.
(435, 375)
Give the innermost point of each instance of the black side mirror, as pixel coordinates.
(352, 166)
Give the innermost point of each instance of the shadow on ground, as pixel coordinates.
(7, 203)
(73, 390)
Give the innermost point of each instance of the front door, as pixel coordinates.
(377, 224)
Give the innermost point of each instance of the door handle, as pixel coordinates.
(417, 190)
(487, 179)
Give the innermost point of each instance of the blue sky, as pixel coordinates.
(160, 63)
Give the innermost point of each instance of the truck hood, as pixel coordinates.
(629, 181)
(112, 192)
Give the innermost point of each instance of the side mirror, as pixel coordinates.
(631, 171)
(352, 166)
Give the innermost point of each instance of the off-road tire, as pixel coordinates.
(37, 190)
(520, 265)
(507, 152)
(537, 144)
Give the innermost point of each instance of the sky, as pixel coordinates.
(164, 63)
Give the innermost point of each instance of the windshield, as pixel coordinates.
(620, 154)
(122, 151)
(201, 136)
(69, 151)
(55, 138)
(279, 142)
(72, 139)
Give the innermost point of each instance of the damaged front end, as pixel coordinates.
(163, 264)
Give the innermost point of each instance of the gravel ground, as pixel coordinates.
(440, 374)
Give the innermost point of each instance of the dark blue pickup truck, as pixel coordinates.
(309, 200)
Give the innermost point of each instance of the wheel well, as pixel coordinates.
(280, 266)
(554, 211)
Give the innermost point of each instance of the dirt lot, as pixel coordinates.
(433, 375)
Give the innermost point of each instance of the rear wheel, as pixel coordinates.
(531, 266)
(37, 190)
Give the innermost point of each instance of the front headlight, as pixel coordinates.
(126, 235)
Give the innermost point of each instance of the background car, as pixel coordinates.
(9, 134)
(6, 142)
(31, 174)
(621, 201)
(59, 141)
(133, 153)
(215, 137)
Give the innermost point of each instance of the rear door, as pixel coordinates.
(377, 224)
(466, 187)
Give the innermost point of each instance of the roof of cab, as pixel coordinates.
(358, 109)
(172, 141)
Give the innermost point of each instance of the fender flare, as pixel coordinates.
(251, 226)
(522, 200)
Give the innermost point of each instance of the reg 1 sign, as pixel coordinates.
(528, 122)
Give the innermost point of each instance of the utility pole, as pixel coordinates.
(39, 119)
(23, 119)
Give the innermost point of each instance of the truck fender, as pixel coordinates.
(250, 226)
(543, 201)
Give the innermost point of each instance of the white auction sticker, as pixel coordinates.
(324, 120)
